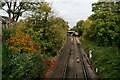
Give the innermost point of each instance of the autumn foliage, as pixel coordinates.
(21, 42)
(33, 43)
(50, 66)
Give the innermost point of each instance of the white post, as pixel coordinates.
(90, 53)
(96, 70)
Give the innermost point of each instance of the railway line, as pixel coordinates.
(68, 66)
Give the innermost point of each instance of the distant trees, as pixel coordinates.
(82, 26)
(104, 24)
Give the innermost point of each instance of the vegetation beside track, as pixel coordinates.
(106, 59)
(28, 46)
(101, 33)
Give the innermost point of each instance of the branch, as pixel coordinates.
(21, 4)
(4, 9)
(14, 10)
(8, 5)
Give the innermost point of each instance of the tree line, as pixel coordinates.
(30, 44)
(101, 33)
(102, 26)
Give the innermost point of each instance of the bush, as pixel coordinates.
(104, 58)
(6, 34)
(23, 66)
(17, 65)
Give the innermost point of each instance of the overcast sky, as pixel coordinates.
(71, 10)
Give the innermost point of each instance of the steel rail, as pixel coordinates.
(65, 69)
(66, 65)
(59, 59)
(84, 67)
(75, 72)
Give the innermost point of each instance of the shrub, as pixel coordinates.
(106, 59)
(17, 65)
(23, 66)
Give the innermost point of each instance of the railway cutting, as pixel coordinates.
(72, 63)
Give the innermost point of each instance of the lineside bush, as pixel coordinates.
(106, 59)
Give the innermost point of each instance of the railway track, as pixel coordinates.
(67, 66)
(62, 60)
(69, 71)
(75, 46)
(83, 64)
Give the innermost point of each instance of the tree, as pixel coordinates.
(15, 9)
(80, 26)
(49, 31)
(22, 42)
(105, 27)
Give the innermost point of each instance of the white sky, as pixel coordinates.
(71, 10)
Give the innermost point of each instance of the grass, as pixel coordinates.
(104, 58)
